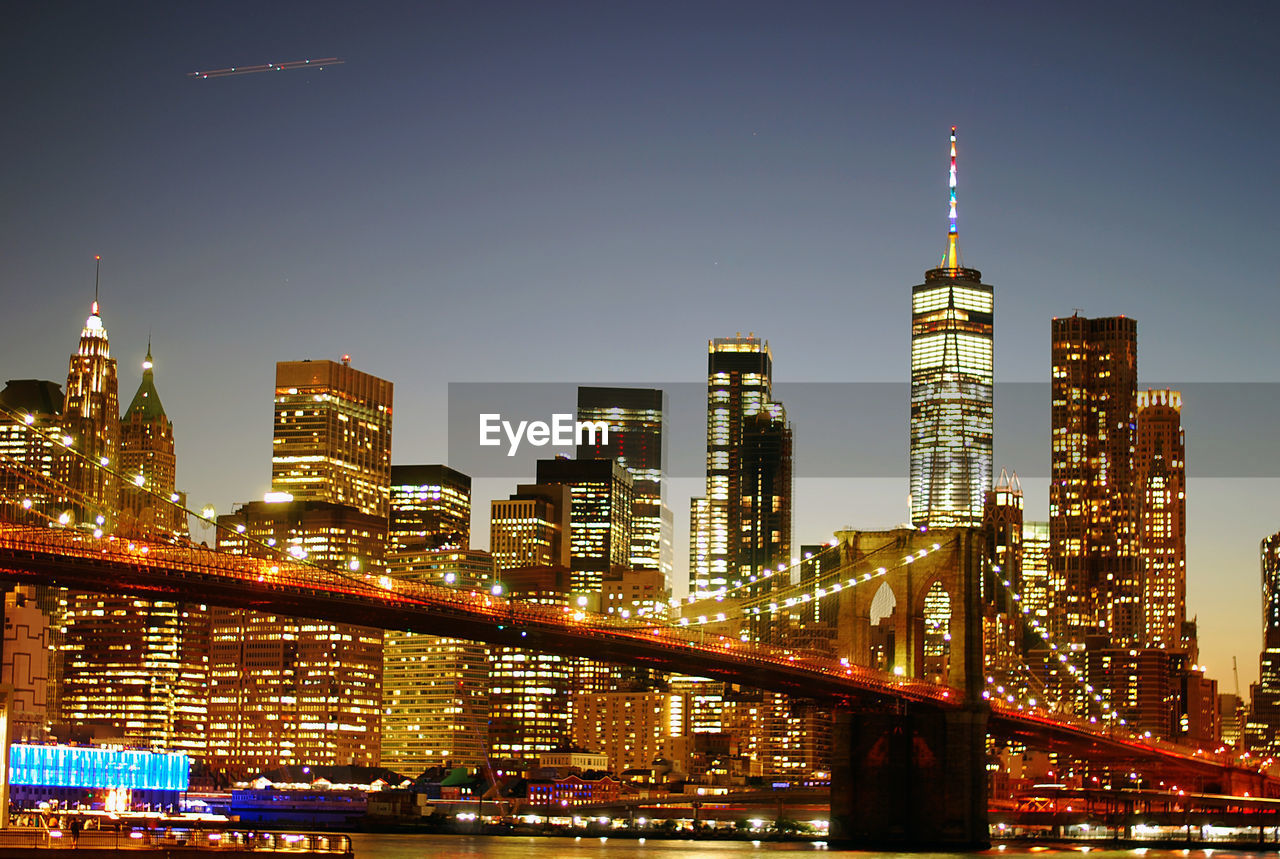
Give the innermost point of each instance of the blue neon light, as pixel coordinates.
(73, 766)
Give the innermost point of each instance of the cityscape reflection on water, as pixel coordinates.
(373, 846)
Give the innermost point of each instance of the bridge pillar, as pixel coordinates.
(910, 780)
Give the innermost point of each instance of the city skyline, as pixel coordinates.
(211, 335)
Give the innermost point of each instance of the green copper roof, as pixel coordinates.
(146, 403)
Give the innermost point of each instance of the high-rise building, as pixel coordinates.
(952, 377)
(531, 528)
(435, 700)
(529, 691)
(1035, 571)
(601, 497)
(1094, 568)
(744, 519)
(332, 438)
(285, 690)
(139, 667)
(1262, 730)
(1002, 622)
(635, 420)
(633, 728)
(1160, 484)
(24, 666)
(149, 504)
(30, 429)
(296, 691)
(430, 508)
(91, 428)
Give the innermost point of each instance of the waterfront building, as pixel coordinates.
(529, 691)
(435, 706)
(1094, 564)
(430, 508)
(635, 419)
(633, 728)
(601, 499)
(297, 691)
(952, 377)
(285, 690)
(1160, 484)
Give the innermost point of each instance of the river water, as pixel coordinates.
(522, 847)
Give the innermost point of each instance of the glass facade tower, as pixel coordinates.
(952, 373)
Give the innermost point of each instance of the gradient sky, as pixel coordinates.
(588, 191)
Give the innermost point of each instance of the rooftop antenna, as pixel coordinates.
(952, 259)
(96, 275)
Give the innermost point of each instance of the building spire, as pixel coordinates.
(97, 274)
(952, 259)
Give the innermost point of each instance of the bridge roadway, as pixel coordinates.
(179, 572)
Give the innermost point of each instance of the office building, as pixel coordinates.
(24, 666)
(30, 433)
(1160, 485)
(296, 691)
(601, 498)
(531, 528)
(1094, 568)
(632, 728)
(744, 519)
(529, 691)
(635, 419)
(1262, 729)
(952, 376)
(149, 504)
(435, 699)
(430, 508)
(332, 435)
(91, 429)
(1002, 622)
(285, 690)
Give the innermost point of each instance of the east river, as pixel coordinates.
(523, 847)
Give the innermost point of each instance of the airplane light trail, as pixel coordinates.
(269, 67)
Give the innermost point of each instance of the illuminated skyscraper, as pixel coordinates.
(529, 691)
(91, 426)
(1262, 731)
(635, 419)
(601, 500)
(952, 373)
(744, 519)
(30, 426)
(285, 690)
(291, 691)
(332, 438)
(149, 462)
(1160, 483)
(1094, 569)
(430, 508)
(435, 699)
(1002, 622)
(531, 528)
(136, 666)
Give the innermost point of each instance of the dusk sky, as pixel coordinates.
(587, 192)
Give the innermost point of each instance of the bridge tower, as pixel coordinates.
(903, 774)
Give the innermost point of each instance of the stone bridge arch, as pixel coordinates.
(955, 567)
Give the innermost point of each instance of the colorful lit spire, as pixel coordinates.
(952, 259)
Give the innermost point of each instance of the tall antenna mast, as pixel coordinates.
(952, 259)
(96, 275)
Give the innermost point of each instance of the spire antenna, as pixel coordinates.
(952, 259)
(97, 274)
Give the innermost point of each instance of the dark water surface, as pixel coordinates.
(526, 847)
